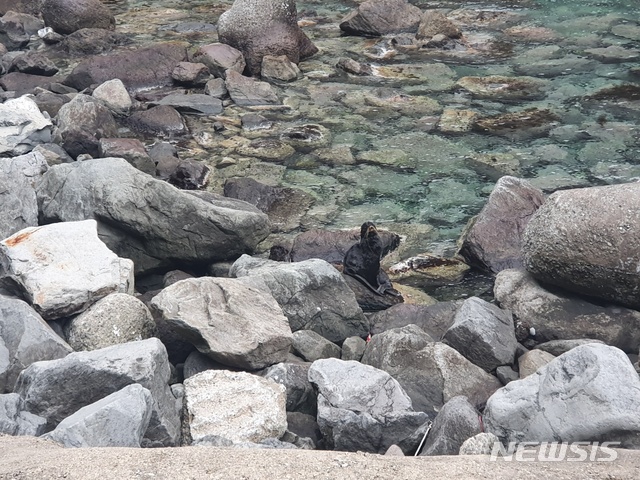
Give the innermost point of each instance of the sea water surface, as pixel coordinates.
(391, 158)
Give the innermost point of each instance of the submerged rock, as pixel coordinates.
(380, 17)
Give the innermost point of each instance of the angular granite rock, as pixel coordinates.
(118, 420)
(140, 68)
(312, 346)
(63, 268)
(24, 338)
(456, 422)
(18, 179)
(168, 227)
(56, 389)
(301, 397)
(361, 407)
(23, 126)
(381, 17)
(312, 294)
(430, 372)
(234, 406)
(483, 333)
(15, 421)
(591, 393)
(226, 320)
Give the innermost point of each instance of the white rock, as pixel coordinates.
(236, 406)
(63, 268)
(114, 95)
(23, 126)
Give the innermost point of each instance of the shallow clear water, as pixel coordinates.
(406, 169)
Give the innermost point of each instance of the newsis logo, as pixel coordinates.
(555, 451)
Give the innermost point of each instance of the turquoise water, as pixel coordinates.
(402, 168)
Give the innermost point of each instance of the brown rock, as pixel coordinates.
(492, 240)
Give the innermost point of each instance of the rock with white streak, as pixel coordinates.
(117, 318)
(63, 268)
(301, 396)
(591, 393)
(234, 406)
(56, 389)
(456, 422)
(23, 126)
(313, 295)
(117, 420)
(24, 338)
(231, 323)
(18, 178)
(361, 407)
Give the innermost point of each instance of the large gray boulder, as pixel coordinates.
(166, 227)
(301, 396)
(63, 268)
(430, 372)
(234, 406)
(433, 319)
(56, 389)
(591, 393)
(264, 27)
(588, 241)
(67, 16)
(492, 240)
(18, 178)
(231, 323)
(23, 126)
(118, 420)
(483, 333)
(15, 421)
(117, 318)
(312, 294)
(312, 346)
(456, 422)
(361, 407)
(24, 338)
(558, 315)
(82, 122)
(381, 17)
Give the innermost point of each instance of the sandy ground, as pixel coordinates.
(32, 458)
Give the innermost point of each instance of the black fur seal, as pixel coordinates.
(362, 261)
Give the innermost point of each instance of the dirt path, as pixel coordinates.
(32, 458)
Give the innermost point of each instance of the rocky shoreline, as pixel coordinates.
(138, 306)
